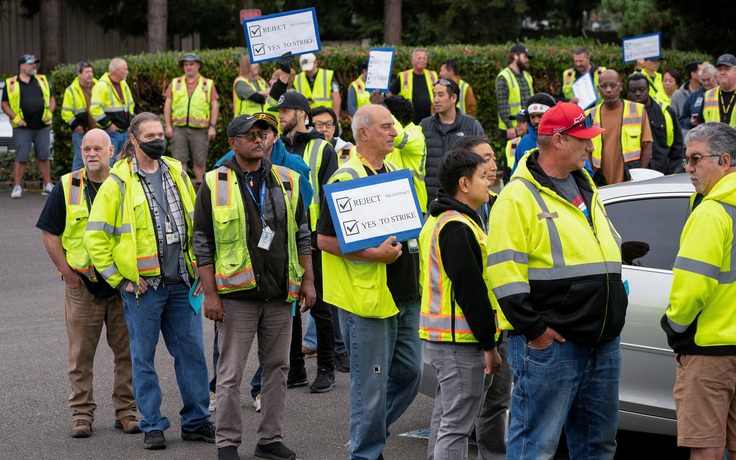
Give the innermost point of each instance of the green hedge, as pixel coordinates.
(479, 65)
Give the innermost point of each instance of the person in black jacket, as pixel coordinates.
(442, 129)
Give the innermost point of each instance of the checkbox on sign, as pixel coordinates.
(343, 204)
(259, 49)
(255, 31)
(351, 227)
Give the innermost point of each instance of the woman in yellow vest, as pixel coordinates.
(459, 342)
(250, 91)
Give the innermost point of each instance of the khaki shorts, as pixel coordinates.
(192, 140)
(704, 399)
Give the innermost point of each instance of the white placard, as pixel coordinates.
(642, 46)
(269, 37)
(378, 74)
(585, 91)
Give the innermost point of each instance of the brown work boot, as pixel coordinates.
(129, 424)
(81, 428)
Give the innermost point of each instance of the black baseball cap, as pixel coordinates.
(243, 124)
(520, 115)
(521, 49)
(727, 60)
(292, 100)
(28, 59)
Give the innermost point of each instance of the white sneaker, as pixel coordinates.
(257, 403)
(47, 189)
(17, 192)
(213, 401)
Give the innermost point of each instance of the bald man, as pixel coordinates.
(376, 291)
(90, 301)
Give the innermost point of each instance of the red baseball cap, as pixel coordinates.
(567, 118)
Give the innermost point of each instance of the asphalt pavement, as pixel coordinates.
(35, 387)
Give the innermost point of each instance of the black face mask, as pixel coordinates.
(154, 149)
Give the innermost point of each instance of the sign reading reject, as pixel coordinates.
(368, 210)
(268, 37)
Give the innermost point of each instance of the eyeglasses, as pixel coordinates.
(613, 84)
(693, 160)
(251, 137)
(587, 122)
(320, 125)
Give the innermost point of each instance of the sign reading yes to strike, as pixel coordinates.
(368, 210)
(269, 37)
(378, 74)
(642, 46)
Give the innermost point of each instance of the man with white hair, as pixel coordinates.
(416, 84)
(112, 104)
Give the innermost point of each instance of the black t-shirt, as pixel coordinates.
(420, 96)
(31, 102)
(402, 275)
(53, 220)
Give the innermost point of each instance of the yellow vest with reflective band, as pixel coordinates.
(669, 124)
(656, 86)
(514, 93)
(441, 319)
(354, 285)
(705, 274)
(233, 267)
(13, 88)
(511, 152)
(463, 92)
(630, 132)
(321, 94)
(558, 243)
(120, 237)
(406, 81)
(77, 213)
(106, 100)
(313, 158)
(410, 152)
(74, 102)
(246, 106)
(362, 96)
(191, 111)
(568, 78)
(711, 110)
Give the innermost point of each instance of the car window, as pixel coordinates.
(650, 229)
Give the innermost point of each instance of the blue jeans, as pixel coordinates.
(77, 162)
(166, 310)
(567, 385)
(118, 140)
(385, 372)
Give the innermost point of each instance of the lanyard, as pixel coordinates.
(263, 197)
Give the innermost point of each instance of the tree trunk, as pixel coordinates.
(392, 22)
(157, 23)
(50, 19)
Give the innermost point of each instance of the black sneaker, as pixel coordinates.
(154, 440)
(342, 362)
(228, 453)
(324, 382)
(204, 433)
(274, 451)
(297, 378)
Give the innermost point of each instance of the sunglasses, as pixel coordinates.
(693, 160)
(587, 122)
(251, 137)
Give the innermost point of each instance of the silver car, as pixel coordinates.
(649, 215)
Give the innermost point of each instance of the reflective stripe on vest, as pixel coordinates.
(441, 320)
(77, 214)
(313, 157)
(246, 106)
(713, 271)
(632, 116)
(668, 123)
(511, 152)
(194, 110)
(321, 95)
(463, 93)
(362, 97)
(514, 93)
(711, 107)
(560, 268)
(406, 80)
(13, 88)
